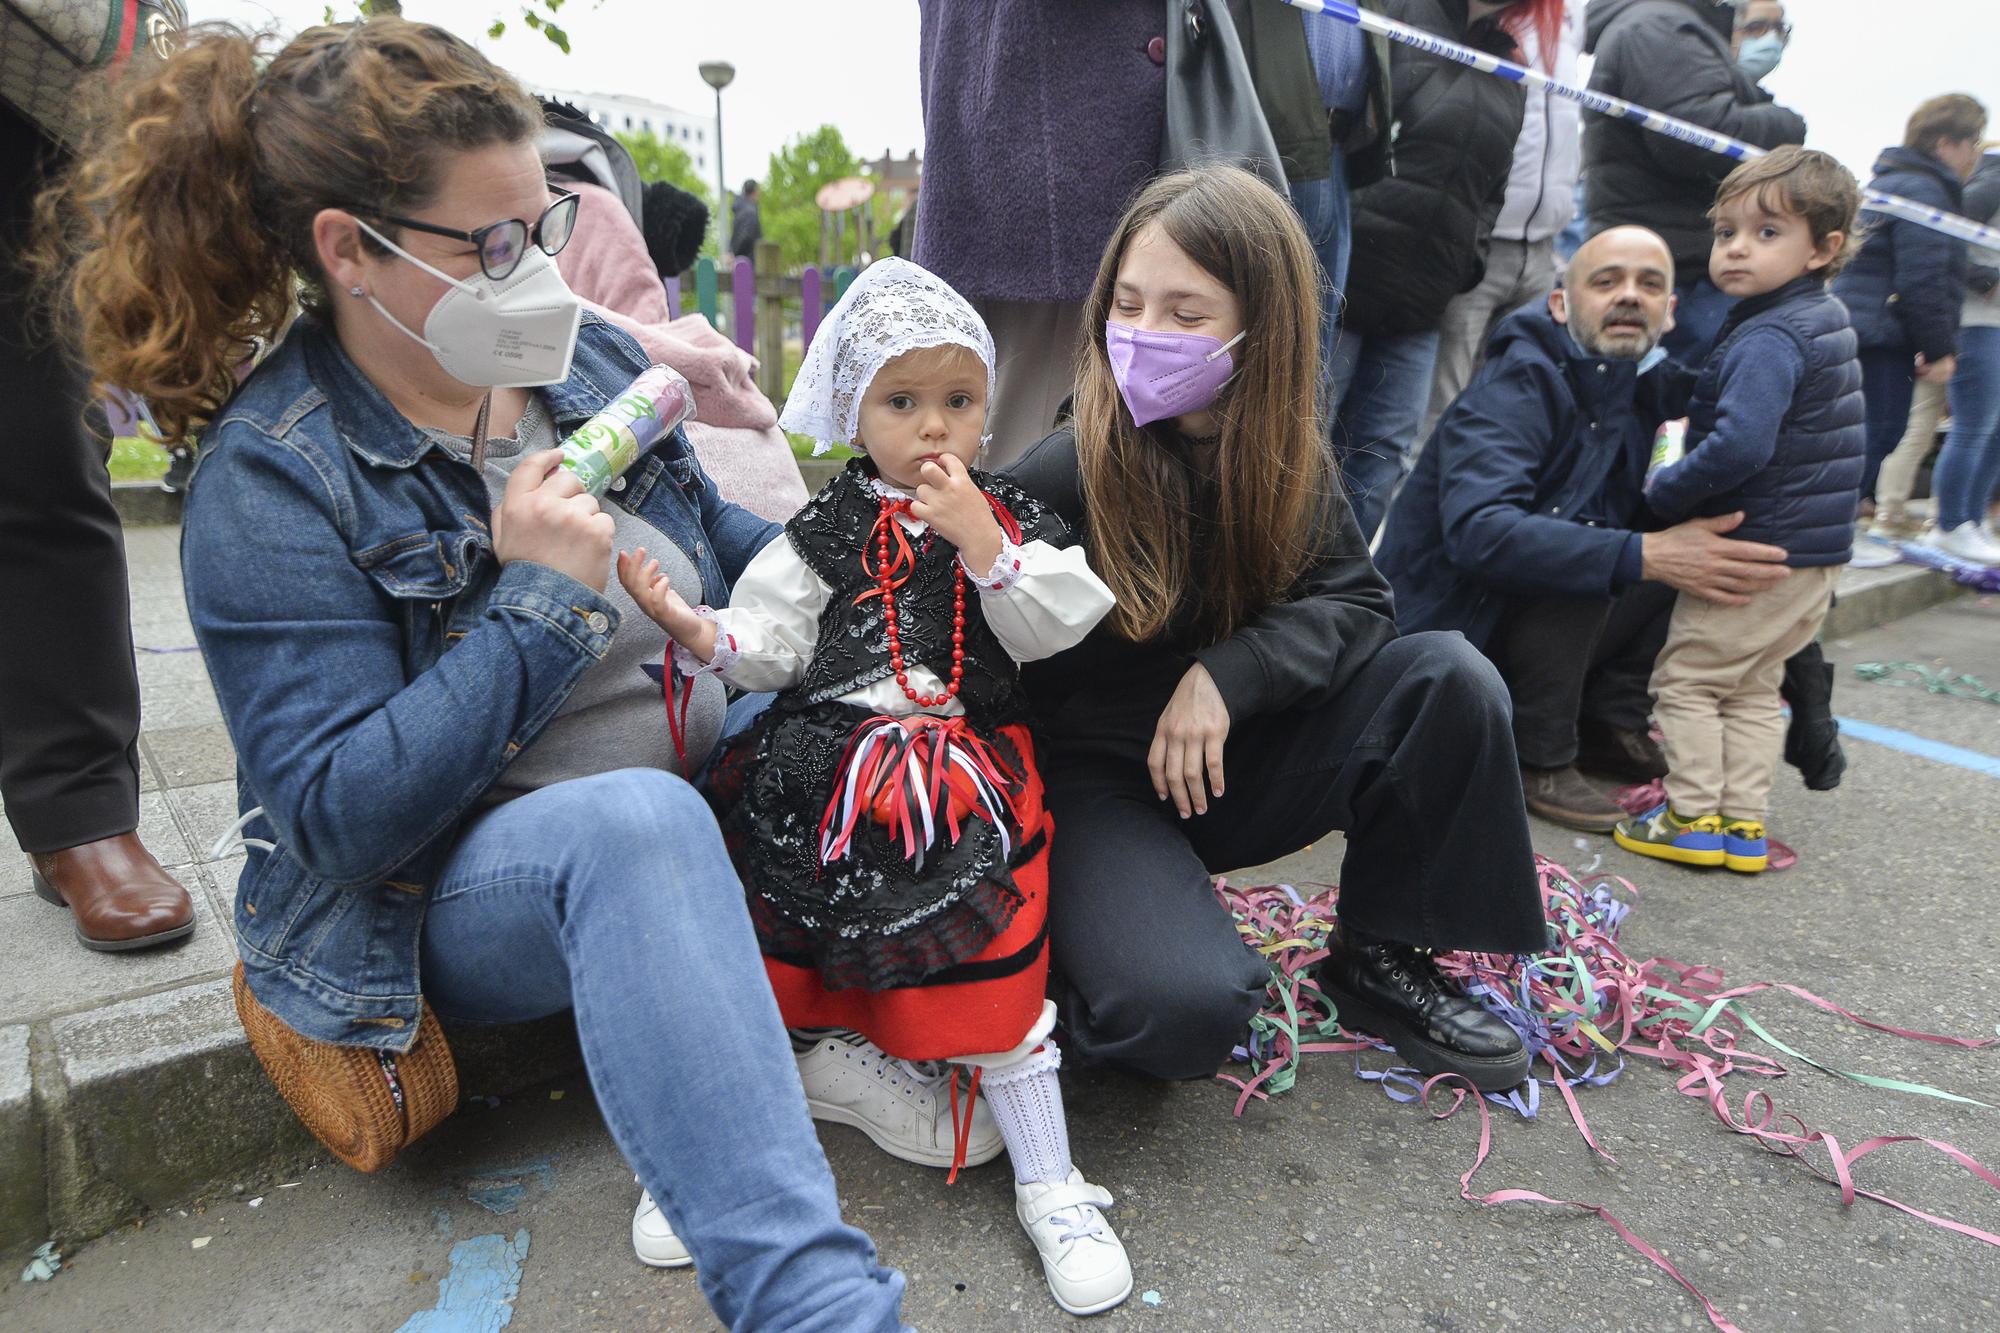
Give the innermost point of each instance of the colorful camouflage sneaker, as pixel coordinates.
(1662, 833)
(1744, 847)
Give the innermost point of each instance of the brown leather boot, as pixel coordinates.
(121, 897)
(1564, 796)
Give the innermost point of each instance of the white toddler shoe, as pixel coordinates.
(1082, 1256)
(653, 1238)
(904, 1108)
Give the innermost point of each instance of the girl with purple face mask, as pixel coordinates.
(1248, 694)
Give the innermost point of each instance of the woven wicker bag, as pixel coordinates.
(49, 47)
(364, 1106)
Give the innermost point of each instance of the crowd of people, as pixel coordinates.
(1191, 518)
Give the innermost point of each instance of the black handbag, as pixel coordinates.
(1213, 115)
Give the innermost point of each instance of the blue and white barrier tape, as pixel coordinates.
(1909, 210)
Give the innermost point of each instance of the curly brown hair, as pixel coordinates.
(182, 235)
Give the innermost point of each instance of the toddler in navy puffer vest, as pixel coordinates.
(1775, 432)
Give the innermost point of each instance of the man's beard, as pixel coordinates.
(1628, 316)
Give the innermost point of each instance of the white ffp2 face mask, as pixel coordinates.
(517, 333)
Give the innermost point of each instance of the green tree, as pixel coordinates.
(660, 160)
(791, 218)
(537, 14)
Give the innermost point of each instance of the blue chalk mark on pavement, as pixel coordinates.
(499, 1190)
(1921, 746)
(477, 1295)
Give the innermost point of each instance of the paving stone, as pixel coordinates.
(161, 834)
(47, 971)
(23, 1192)
(163, 671)
(207, 811)
(192, 756)
(163, 1101)
(222, 878)
(189, 705)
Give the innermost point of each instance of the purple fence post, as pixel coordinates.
(122, 411)
(674, 297)
(743, 316)
(814, 309)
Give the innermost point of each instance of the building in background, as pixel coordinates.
(617, 113)
(897, 177)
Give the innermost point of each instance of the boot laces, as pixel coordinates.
(1412, 968)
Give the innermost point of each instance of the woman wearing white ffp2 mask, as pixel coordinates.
(511, 324)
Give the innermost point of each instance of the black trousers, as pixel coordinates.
(1571, 658)
(69, 690)
(1414, 761)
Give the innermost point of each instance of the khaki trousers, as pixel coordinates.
(1715, 692)
(1899, 470)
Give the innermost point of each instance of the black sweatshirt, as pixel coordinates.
(1104, 696)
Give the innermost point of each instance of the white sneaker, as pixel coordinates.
(653, 1238)
(904, 1107)
(1872, 552)
(1082, 1256)
(1965, 541)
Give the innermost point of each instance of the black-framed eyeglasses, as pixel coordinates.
(501, 244)
(1765, 27)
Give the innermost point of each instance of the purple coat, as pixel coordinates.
(1042, 118)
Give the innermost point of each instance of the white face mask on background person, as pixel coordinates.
(515, 333)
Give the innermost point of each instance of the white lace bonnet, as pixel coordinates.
(893, 307)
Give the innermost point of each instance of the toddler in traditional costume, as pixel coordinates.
(885, 811)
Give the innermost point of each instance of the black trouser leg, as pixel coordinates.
(1543, 647)
(1414, 761)
(69, 690)
(1617, 692)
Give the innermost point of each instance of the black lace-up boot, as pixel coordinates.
(1394, 991)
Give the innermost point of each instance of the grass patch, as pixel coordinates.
(136, 459)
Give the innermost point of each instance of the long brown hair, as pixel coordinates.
(183, 232)
(1272, 481)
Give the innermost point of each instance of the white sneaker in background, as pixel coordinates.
(905, 1108)
(653, 1238)
(1082, 1257)
(1966, 542)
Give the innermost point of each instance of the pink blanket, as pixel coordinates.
(735, 429)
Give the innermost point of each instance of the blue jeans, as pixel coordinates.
(1968, 467)
(1888, 384)
(1699, 309)
(1325, 207)
(612, 895)
(1381, 387)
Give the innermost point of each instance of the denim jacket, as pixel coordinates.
(376, 666)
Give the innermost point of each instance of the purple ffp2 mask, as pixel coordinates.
(1163, 375)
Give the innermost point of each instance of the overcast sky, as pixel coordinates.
(1855, 69)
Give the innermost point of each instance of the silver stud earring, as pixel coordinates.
(355, 290)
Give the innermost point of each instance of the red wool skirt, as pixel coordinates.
(982, 1004)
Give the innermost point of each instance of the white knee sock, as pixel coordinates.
(1027, 1106)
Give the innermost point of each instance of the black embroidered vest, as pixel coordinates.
(830, 534)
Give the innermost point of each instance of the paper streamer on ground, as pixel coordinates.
(1582, 1007)
(1909, 210)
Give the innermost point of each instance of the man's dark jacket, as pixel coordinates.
(747, 226)
(1421, 234)
(1672, 56)
(1905, 288)
(1529, 486)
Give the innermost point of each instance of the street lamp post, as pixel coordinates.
(717, 74)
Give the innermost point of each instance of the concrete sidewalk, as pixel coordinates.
(125, 1085)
